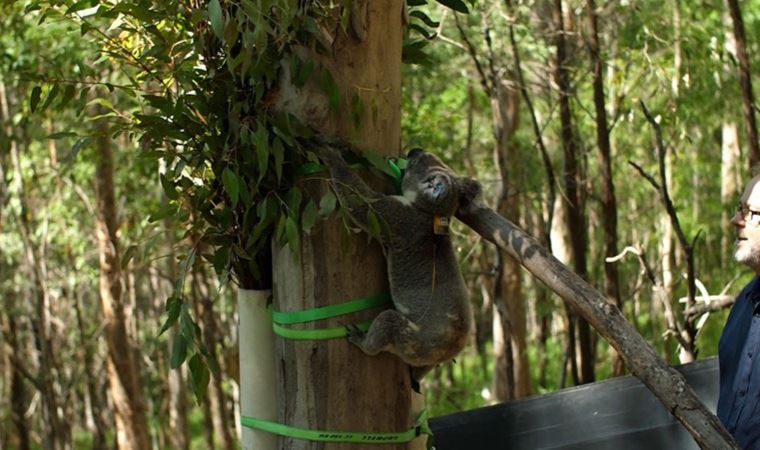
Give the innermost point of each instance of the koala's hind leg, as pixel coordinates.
(391, 332)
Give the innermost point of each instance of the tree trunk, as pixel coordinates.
(730, 155)
(608, 202)
(640, 358)
(175, 379)
(96, 422)
(59, 435)
(330, 384)
(124, 382)
(675, 81)
(745, 81)
(211, 338)
(730, 171)
(572, 198)
(561, 248)
(511, 378)
(19, 434)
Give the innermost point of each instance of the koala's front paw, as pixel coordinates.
(355, 335)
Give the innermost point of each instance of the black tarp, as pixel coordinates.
(620, 413)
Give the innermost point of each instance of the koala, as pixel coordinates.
(432, 316)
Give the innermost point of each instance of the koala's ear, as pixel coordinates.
(469, 189)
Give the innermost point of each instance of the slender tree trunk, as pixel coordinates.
(217, 400)
(20, 433)
(11, 354)
(745, 81)
(561, 248)
(330, 384)
(97, 424)
(124, 382)
(730, 172)
(571, 184)
(675, 81)
(178, 434)
(59, 435)
(608, 202)
(176, 404)
(511, 371)
(729, 185)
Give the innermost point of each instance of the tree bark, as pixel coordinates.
(640, 358)
(124, 382)
(572, 198)
(745, 82)
(330, 384)
(608, 202)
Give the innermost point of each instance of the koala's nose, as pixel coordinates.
(415, 152)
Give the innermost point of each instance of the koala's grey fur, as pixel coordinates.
(432, 316)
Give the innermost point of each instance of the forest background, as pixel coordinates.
(100, 253)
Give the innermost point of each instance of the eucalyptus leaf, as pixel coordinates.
(327, 204)
(231, 186)
(34, 100)
(425, 18)
(292, 235)
(329, 87)
(373, 224)
(456, 5)
(179, 351)
(51, 95)
(61, 135)
(216, 18)
(309, 217)
(173, 308)
(293, 200)
(169, 188)
(199, 375)
(278, 151)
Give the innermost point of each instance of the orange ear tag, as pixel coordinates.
(441, 225)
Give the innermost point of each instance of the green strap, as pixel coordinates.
(420, 427)
(326, 312)
(315, 334)
(280, 318)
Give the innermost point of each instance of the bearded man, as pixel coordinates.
(739, 347)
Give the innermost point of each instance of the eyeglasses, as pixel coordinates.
(747, 214)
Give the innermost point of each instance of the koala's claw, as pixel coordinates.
(354, 334)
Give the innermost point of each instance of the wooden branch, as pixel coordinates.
(666, 200)
(714, 303)
(665, 383)
(646, 176)
(674, 326)
(690, 331)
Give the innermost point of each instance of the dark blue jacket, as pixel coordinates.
(739, 356)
